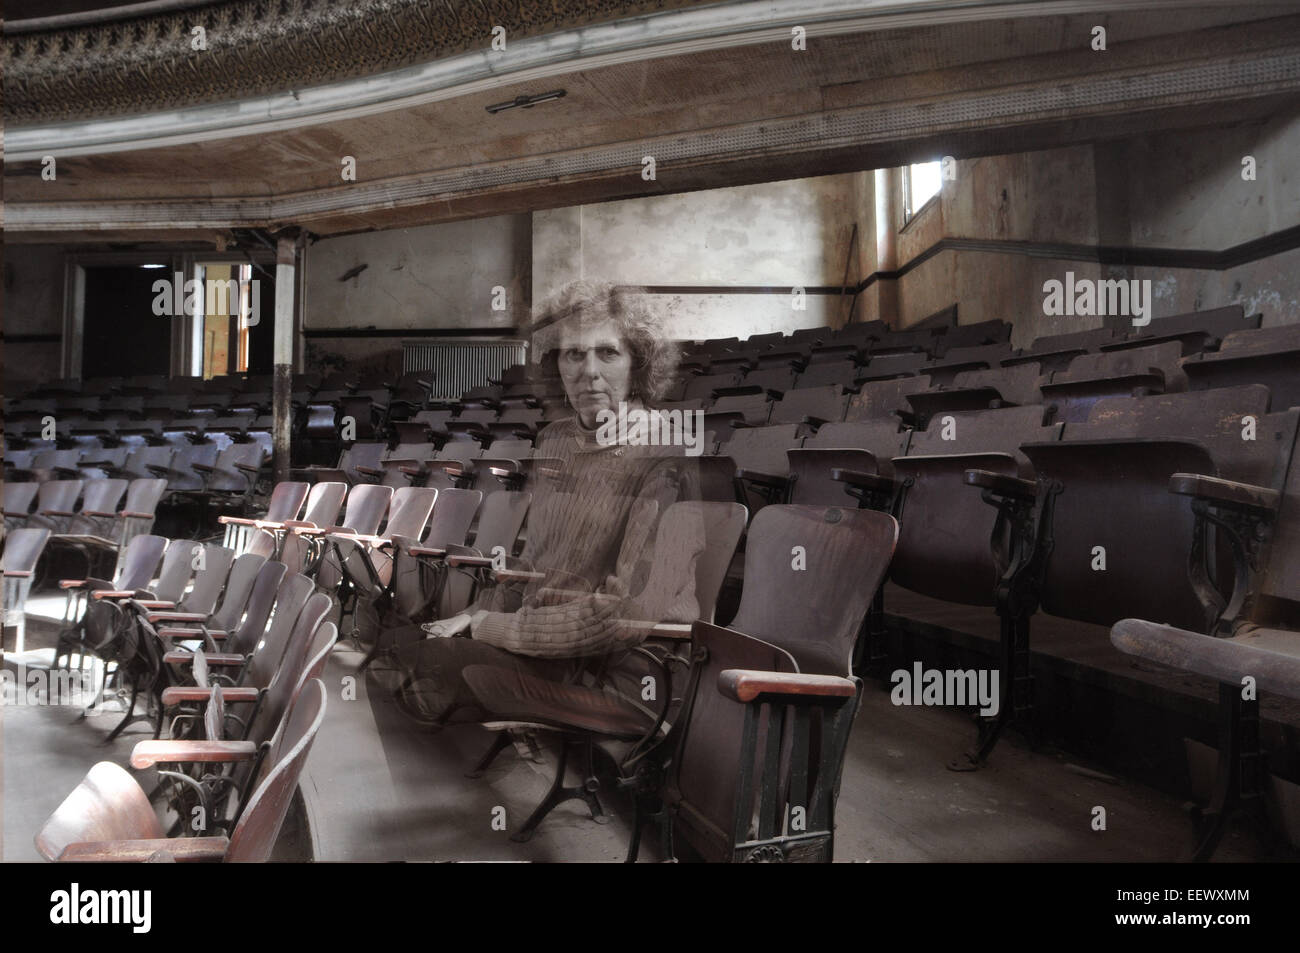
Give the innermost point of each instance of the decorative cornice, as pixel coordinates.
(1224, 80)
(263, 56)
(255, 47)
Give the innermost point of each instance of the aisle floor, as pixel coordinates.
(380, 788)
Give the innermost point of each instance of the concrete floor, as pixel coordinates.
(379, 788)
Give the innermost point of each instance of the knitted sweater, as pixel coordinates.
(592, 532)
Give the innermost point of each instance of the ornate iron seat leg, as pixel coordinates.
(558, 794)
(1018, 590)
(1239, 781)
(499, 744)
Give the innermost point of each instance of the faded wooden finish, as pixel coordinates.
(107, 805)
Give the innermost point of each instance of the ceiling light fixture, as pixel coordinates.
(526, 102)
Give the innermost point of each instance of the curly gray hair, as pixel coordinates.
(589, 303)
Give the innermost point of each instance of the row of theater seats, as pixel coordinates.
(227, 650)
(1184, 429)
(1057, 480)
(159, 410)
(177, 614)
(108, 499)
(1140, 481)
(195, 468)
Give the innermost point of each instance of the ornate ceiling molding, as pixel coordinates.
(154, 124)
(1227, 79)
(254, 47)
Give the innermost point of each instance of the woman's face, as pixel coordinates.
(596, 368)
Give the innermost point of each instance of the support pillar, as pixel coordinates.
(286, 261)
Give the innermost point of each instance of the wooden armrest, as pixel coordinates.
(112, 594)
(204, 467)
(132, 514)
(236, 521)
(176, 694)
(180, 658)
(1226, 493)
(411, 471)
(309, 530)
(149, 753)
(176, 617)
(745, 685)
(861, 479)
(293, 524)
(100, 513)
(516, 575)
(196, 634)
(369, 471)
(154, 604)
(248, 468)
(180, 849)
(675, 631)
(225, 658)
(56, 513)
(1002, 484)
(484, 561)
(427, 551)
(376, 541)
(668, 631)
(18, 573)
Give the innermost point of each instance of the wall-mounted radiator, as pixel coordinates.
(461, 363)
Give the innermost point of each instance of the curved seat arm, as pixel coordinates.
(860, 479)
(149, 753)
(1226, 493)
(179, 849)
(1001, 484)
(747, 685)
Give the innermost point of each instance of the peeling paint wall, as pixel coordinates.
(1179, 192)
(1270, 287)
(782, 235)
(434, 277)
(1187, 190)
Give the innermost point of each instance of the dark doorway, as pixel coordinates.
(121, 336)
(261, 349)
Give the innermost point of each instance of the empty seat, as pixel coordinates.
(22, 550)
(56, 504)
(1195, 331)
(18, 501)
(867, 447)
(978, 390)
(1256, 642)
(1111, 474)
(1054, 352)
(752, 466)
(108, 816)
(810, 405)
(995, 332)
(1133, 372)
(889, 365)
(1270, 356)
(782, 666)
(841, 371)
(943, 370)
(884, 399)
